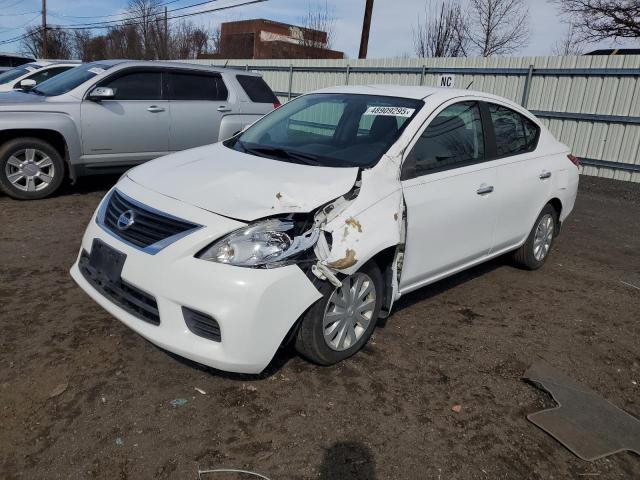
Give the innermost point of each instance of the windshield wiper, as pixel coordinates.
(281, 153)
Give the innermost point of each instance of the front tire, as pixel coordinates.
(30, 169)
(341, 323)
(534, 252)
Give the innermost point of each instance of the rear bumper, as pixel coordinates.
(255, 308)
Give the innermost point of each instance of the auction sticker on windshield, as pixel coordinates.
(390, 111)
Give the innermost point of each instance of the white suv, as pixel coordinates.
(311, 223)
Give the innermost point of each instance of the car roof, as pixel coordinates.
(47, 63)
(172, 64)
(405, 91)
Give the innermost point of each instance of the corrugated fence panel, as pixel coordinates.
(590, 103)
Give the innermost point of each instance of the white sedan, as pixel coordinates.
(307, 226)
(32, 74)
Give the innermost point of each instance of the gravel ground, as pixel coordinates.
(82, 396)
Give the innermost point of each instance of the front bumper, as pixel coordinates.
(255, 308)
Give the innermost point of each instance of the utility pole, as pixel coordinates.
(166, 34)
(44, 28)
(366, 26)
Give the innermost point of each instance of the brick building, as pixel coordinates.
(264, 39)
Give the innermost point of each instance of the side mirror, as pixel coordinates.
(101, 93)
(27, 84)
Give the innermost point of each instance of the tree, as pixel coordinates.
(570, 44)
(498, 27)
(443, 35)
(188, 41)
(148, 15)
(597, 20)
(59, 43)
(318, 20)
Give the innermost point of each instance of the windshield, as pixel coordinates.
(14, 73)
(70, 79)
(333, 130)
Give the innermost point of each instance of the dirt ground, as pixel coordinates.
(82, 396)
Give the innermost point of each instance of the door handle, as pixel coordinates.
(485, 189)
(155, 109)
(544, 175)
(224, 108)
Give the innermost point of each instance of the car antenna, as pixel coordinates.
(470, 84)
(226, 63)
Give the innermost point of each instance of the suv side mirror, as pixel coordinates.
(101, 93)
(27, 84)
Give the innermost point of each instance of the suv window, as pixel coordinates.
(453, 139)
(196, 86)
(515, 134)
(137, 86)
(256, 89)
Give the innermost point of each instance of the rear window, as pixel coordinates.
(194, 86)
(257, 89)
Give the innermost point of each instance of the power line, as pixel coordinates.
(59, 15)
(90, 24)
(101, 25)
(185, 15)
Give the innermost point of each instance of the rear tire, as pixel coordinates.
(535, 251)
(30, 168)
(340, 324)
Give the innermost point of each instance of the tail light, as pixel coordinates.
(575, 160)
(277, 104)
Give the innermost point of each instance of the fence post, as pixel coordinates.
(290, 81)
(422, 74)
(527, 87)
(346, 80)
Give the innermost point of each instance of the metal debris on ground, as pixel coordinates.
(584, 422)
(178, 402)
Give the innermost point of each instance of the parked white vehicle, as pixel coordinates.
(308, 226)
(32, 74)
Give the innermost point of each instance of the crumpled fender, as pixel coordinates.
(369, 223)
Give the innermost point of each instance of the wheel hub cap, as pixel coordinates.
(349, 312)
(29, 170)
(543, 237)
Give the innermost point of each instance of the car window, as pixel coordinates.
(67, 81)
(137, 86)
(256, 89)
(14, 73)
(193, 86)
(515, 134)
(324, 129)
(453, 139)
(43, 75)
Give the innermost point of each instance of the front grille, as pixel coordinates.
(202, 324)
(147, 228)
(126, 296)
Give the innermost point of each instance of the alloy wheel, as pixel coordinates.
(349, 312)
(30, 170)
(543, 237)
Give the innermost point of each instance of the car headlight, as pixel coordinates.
(266, 243)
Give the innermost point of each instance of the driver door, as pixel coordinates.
(449, 195)
(133, 126)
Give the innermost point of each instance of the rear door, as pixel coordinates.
(131, 127)
(524, 174)
(449, 195)
(198, 101)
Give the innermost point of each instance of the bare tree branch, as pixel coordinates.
(442, 34)
(498, 27)
(59, 43)
(318, 19)
(597, 20)
(570, 44)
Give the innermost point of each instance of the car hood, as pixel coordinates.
(242, 186)
(20, 97)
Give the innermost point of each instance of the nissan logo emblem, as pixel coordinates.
(126, 219)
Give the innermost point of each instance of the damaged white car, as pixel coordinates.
(308, 226)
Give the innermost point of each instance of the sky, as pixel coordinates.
(391, 29)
